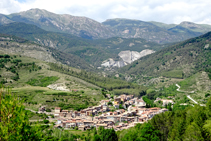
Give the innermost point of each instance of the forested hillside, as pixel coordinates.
(19, 46)
(178, 61)
(92, 51)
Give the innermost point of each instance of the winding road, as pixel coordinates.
(178, 89)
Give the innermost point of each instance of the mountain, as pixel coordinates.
(19, 46)
(43, 37)
(203, 28)
(85, 49)
(151, 31)
(91, 29)
(4, 19)
(179, 30)
(163, 25)
(118, 44)
(178, 61)
(93, 51)
(80, 26)
(127, 57)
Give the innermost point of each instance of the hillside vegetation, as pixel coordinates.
(70, 88)
(29, 79)
(151, 31)
(15, 45)
(178, 61)
(187, 123)
(92, 51)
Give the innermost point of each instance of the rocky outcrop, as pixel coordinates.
(59, 86)
(27, 49)
(130, 56)
(127, 58)
(111, 63)
(47, 42)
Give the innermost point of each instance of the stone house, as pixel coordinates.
(101, 125)
(57, 109)
(117, 100)
(116, 106)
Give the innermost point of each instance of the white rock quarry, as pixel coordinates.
(59, 86)
(111, 63)
(127, 58)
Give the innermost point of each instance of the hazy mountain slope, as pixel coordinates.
(91, 29)
(180, 30)
(80, 26)
(163, 25)
(118, 44)
(180, 60)
(85, 49)
(4, 19)
(38, 35)
(93, 51)
(14, 45)
(203, 28)
(150, 31)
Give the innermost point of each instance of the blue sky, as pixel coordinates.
(166, 11)
(21, 1)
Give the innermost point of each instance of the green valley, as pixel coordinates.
(71, 78)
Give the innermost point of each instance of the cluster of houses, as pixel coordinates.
(133, 112)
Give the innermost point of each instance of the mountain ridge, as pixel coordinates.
(90, 29)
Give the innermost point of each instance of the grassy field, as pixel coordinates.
(173, 74)
(36, 96)
(32, 86)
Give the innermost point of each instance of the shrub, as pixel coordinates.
(48, 110)
(46, 121)
(206, 95)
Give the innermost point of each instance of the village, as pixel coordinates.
(128, 111)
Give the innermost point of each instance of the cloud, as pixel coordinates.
(167, 11)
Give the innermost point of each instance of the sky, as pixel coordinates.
(166, 11)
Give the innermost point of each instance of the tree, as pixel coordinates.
(46, 121)
(207, 129)
(208, 107)
(193, 133)
(149, 133)
(106, 135)
(96, 138)
(131, 135)
(14, 123)
(109, 135)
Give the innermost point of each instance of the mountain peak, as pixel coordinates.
(35, 12)
(187, 24)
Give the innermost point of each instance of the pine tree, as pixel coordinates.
(14, 123)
